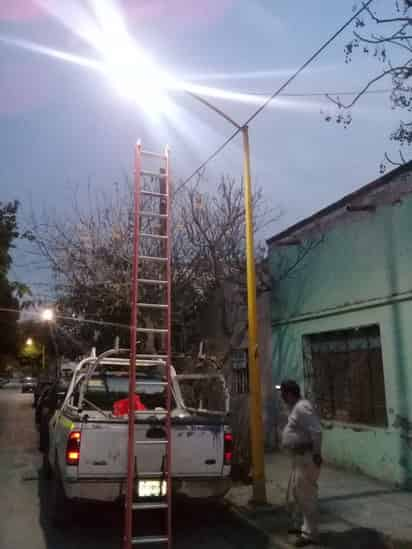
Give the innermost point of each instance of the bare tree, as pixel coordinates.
(385, 34)
(213, 228)
(90, 248)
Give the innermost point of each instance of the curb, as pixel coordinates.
(275, 542)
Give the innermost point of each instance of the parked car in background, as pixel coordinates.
(28, 385)
(3, 382)
(41, 384)
(49, 402)
(40, 400)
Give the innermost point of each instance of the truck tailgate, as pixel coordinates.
(197, 448)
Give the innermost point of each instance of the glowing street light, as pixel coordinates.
(29, 342)
(47, 315)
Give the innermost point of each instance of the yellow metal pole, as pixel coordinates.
(256, 423)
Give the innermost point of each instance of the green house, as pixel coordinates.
(342, 323)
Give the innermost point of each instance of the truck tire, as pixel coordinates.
(44, 433)
(60, 506)
(47, 469)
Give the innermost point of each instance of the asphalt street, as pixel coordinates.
(24, 520)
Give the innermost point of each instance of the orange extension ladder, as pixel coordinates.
(151, 274)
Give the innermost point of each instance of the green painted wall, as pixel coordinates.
(360, 274)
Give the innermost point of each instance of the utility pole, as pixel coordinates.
(256, 423)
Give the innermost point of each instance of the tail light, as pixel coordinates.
(73, 448)
(228, 448)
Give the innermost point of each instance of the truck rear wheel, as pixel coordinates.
(44, 433)
(60, 506)
(47, 470)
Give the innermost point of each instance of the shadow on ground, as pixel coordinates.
(275, 520)
(94, 527)
(101, 526)
(356, 538)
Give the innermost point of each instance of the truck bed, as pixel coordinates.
(197, 445)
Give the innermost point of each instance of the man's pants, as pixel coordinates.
(303, 489)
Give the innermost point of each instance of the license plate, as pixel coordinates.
(151, 488)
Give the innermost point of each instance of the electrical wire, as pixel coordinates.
(325, 45)
(324, 94)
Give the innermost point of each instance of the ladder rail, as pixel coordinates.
(168, 420)
(128, 532)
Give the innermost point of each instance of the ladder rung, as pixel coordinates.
(152, 214)
(156, 358)
(153, 174)
(161, 383)
(152, 281)
(152, 413)
(152, 258)
(148, 505)
(152, 330)
(152, 305)
(150, 539)
(159, 236)
(152, 441)
(153, 154)
(146, 476)
(140, 361)
(152, 193)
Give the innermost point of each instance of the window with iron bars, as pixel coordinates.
(240, 372)
(343, 373)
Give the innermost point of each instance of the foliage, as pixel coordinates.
(9, 290)
(90, 252)
(385, 34)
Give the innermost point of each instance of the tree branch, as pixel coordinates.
(407, 20)
(391, 71)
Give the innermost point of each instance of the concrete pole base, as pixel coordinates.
(259, 493)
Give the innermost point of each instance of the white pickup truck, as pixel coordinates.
(87, 453)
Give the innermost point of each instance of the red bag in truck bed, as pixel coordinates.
(121, 407)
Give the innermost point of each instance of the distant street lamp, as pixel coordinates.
(30, 344)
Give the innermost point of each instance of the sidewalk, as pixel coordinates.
(356, 512)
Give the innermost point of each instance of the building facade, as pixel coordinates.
(342, 323)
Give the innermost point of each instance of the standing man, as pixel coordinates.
(302, 437)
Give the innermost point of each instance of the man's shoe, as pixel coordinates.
(304, 542)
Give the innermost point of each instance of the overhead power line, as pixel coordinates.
(310, 60)
(326, 93)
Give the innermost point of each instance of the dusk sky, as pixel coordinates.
(63, 125)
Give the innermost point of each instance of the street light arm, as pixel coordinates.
(213, 108)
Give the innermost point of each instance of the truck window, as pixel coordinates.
(104, 391)
(203, 394)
